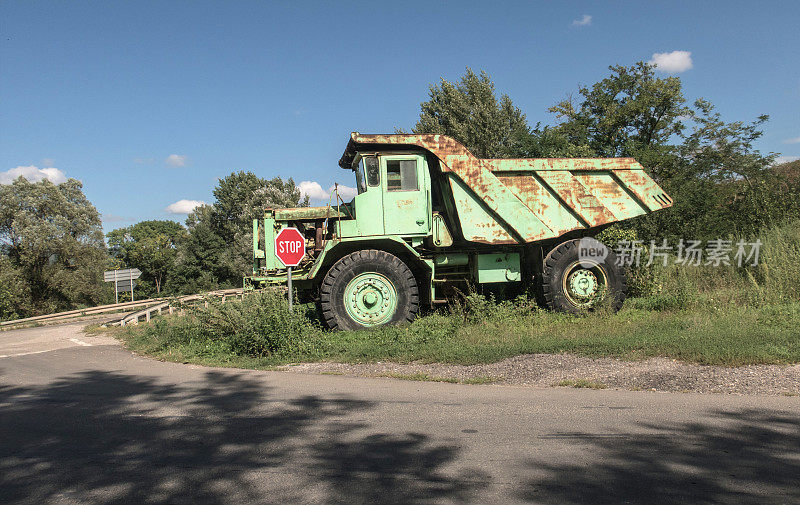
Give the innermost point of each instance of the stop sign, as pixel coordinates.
(290, 246)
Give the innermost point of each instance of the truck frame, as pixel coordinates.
(430, 219)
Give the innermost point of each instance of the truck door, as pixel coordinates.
(405, 197)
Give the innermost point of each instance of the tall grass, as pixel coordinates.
(774, 279)
(779, 270)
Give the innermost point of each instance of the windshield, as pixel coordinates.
(361, 183)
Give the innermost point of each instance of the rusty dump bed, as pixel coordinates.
(508, 201)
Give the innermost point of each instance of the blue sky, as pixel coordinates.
(149, 103)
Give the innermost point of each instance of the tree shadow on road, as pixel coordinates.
(101, 437)
(744, 456)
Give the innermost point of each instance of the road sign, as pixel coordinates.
(122, 275)
(290, 247)
(125, 286)
(123, 280)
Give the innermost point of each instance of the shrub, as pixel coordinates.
(260, 325)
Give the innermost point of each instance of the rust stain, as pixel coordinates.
(573, 194)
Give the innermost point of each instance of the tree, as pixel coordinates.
(470, 112)
(629, 113)
(150, 246)
(243, 196)
(218, 249)
(51, 239)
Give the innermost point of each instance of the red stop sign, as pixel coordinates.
(290, 246)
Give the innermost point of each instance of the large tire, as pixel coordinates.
(576, 285)
(368, 288)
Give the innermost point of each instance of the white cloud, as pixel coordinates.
(795, 140)
(346, 192)
(585, 20)
(176, 160)
(33, 174)
(184, 206)
(676, 61)
(48, 162)
(785, 159)
(315, 191)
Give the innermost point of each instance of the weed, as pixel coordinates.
(582, 383)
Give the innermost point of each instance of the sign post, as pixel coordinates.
(123, 280)
(290, 248)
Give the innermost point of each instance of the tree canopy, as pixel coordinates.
(53, 253)
(470, 112)
(150, 246)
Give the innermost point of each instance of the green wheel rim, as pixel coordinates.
(370, 299)
(584, 287)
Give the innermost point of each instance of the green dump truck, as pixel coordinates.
(430, 219)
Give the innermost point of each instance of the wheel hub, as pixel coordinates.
(370, 299)
(583, 284)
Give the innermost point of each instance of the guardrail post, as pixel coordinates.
(147, 316)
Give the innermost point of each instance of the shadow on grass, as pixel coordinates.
(101, 437)
(744, 457)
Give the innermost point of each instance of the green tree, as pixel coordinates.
(629, 113)
(51, 240)
(150, 246)
(470, 112)
(218, 249)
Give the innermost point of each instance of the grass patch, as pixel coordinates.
(480, 379)
(715, 316)
(582, 383)
(714, 334)
(420, 377)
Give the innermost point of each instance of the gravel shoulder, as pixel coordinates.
(547, 370)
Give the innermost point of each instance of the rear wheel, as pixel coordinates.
(368, 288)
(573, 284)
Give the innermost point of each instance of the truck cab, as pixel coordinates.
(393, 196)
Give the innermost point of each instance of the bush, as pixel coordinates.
(260, 325)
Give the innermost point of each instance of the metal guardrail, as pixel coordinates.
(145, 308)
(147, 313)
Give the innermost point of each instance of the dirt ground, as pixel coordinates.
(547, 370)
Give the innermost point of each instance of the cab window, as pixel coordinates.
(401, 175)
(373, 171)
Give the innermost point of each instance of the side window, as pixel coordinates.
(361, 184)
(401, 175)
(373, 171)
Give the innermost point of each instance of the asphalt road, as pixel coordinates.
(84, 421)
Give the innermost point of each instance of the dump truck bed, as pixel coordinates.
(513, 201)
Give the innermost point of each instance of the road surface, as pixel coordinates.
(82, 420)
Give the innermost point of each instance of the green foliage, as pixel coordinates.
(150, 246)
(51, 246)
(625, 114)
(260, 325)
(470, 112)
(218, 249)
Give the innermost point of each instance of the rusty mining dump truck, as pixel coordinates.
(430, 218)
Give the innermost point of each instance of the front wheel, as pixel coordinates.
(368, 288)
(575, 283)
